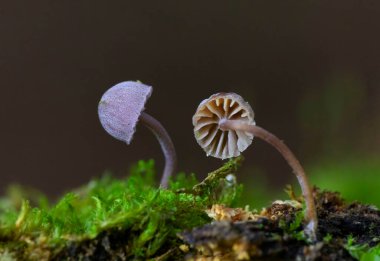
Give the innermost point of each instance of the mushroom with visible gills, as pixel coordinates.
(119, 110)
(224, 127)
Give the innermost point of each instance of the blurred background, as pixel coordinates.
(310, 70)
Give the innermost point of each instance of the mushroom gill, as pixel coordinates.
(216, 142)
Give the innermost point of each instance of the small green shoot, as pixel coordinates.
(327, 239)
(362, 252)
(295, 227)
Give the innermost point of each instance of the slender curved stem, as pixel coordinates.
(167, 146)
(311, 213)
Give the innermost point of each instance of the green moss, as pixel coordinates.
(362, 252)
(30, 230)
(327, 239)
(294, 228)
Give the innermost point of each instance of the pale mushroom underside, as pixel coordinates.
(215, 142)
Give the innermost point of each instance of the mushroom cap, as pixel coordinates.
(216, 142)
(120, 108)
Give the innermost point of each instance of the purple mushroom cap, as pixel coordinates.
(120, 108)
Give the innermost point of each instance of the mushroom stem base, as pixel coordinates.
(311, 213)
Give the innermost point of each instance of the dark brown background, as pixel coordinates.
(310, 69)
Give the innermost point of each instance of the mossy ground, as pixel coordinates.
(124, 219)
(143, 219)
(346, 231)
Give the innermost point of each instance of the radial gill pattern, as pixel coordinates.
(218, 143)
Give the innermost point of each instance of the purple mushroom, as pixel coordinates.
(121, 107)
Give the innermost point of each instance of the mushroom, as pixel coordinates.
(218, 143)
(224, 127)
(119, 110)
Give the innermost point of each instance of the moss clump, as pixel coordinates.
(148, 218)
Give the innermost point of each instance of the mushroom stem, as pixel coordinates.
(311, 214)
(166, 145)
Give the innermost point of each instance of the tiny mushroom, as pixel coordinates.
(224, 127)
(119, 110)
(218, 143)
